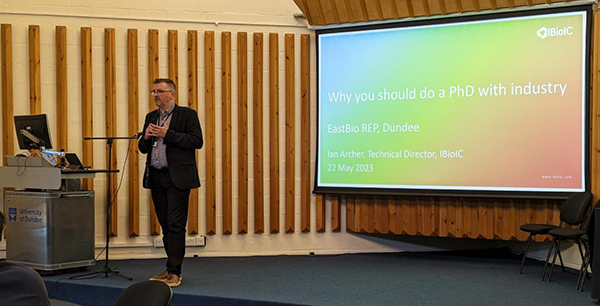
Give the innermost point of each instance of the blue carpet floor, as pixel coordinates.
(442, 278)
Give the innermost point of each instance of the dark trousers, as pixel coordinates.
(171, 206)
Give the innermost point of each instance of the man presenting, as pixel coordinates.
(171, 136)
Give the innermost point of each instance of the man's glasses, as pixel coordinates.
(159, 91)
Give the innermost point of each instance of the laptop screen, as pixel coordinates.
(74, 162)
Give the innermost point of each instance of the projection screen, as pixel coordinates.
(490, 104)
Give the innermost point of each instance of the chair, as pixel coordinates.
(146, 293)
(575, 216)
(543, 229)
(585, 264)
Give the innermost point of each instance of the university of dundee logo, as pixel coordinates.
(12, 214)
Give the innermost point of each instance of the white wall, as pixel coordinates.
(267, 16)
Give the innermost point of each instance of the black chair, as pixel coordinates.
(585, 264)
(146, 293)
(575, 216)
(543, 229)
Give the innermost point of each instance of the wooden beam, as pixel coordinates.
(320, 207)
(274, 132)
(192, 58)
(336, 215)
(595, 107)
(110, 94)
(242, 71)
(290, 131)
(210, 141)
(305, 136)
(62, 134)
(173, 58)
(35, 83)
(133, 102)
(227, 171)
(350, 213)
(87, 103)
(152, 75)
(257, 114)
(8, 135)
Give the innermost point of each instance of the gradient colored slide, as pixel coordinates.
(481, 105)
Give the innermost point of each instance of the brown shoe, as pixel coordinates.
(162, 277)
(173, 280)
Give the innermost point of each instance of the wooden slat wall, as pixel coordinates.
(210, 141)
(6, 57)
(305, 186)
(35, 83)
(227, 171)
(290, 132)
(257, 115)
(242, 68)
(133, 102)
(110, 94)
(474, 218)
(62, 134)
(152, 75)
(192, 54)
(484, 219)
(87, 103)
(274, 132)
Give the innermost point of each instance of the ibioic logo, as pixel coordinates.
(544, 32)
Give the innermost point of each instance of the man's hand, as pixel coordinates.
(154, 130)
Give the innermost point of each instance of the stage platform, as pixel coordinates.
(438, 278)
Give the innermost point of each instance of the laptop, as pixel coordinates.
(73, 160)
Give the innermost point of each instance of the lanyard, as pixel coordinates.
(163, 118)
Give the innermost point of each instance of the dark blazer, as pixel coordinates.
(182, 139)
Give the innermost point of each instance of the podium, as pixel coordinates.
(50, 223)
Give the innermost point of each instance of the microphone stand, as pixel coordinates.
(106, 270)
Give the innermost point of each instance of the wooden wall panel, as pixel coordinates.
(192, 69)
(87, 104)
(210, 140)
(274, 131)
(320, 210)
(152, 75)
(62, 134)
(242, 79)
(257, 116)
(336, 222)
(474, 218)
(290, 133)
(350, 213)
(35, 82)
(133, 102)
(595, 109)
(173, 59)
(110, 94)
(305, 137)
(6, 57)
(227, 171)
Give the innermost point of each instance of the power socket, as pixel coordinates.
(190, 241)
(200, 240)
(158, 242)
